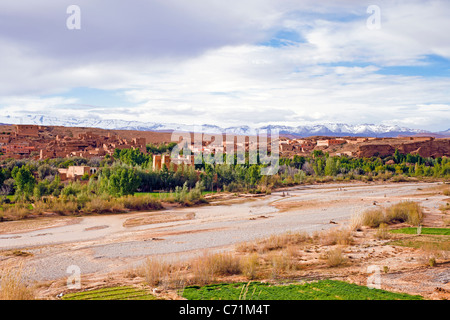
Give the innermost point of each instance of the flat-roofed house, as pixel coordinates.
(76, 172)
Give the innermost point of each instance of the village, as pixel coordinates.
(38, 143)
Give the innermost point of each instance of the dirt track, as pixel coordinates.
(101, 244)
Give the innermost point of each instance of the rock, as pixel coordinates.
(431, 148)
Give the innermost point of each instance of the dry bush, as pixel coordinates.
(278, 263)
(246, 247)
(446, 192)
(282, 261)
(17, 212)
(356, 221)
(155, 271)
(204, 269)
(224, 264)
(446, 221)
(140, 203)
(335, 258)
(201, 272)
(99, 205)
(13, 286)
(445, 208)
(250, 265)
(430, 254)
(407, 211)
(39, 207)
(274, 242)
(373, 218)
(336, 236)
(383, 232)
(63, 207)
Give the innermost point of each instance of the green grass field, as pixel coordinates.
(320, 290)
(114, 293)
(431, 231)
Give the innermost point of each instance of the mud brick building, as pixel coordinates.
(76, 172)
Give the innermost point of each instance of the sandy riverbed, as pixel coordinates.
(101, 244)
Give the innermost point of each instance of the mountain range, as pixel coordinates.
(328, 129)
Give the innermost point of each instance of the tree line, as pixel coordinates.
(129, 171)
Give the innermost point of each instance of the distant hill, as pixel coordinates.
(329, 129)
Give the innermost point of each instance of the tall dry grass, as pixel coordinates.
(339, 236)
(281, 262)
(274, 242)
(373, 218)
(250, 266)
(140, 203)
(18, 211)
(206, 268)
(407, 211)
(274, 257)
(383, 232)
(155, 271)
(335, 257)
(446, 192)
(13, 285)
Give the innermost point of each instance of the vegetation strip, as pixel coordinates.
(115, 293)
(431, 231)
(320, 290)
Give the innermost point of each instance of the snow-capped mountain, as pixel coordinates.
(342, 129)
(331, 129)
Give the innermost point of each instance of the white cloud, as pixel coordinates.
(202, 63)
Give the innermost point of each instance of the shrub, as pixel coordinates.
(201, 272)
(372, 218)
(432, 262)
(356, 221)
(250, 265)
(274, 242)
(399, 178)
(224, 264)
(99, 205)
(446, 192)
(140, 203)
(17, 211)
(383, 232)
(335, 258)
(13, 285)
(408, 211)
(336, 236)
(446, 221)
(280, 262)
(207, 267)
(155, 271)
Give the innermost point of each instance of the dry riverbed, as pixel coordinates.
(106, 248)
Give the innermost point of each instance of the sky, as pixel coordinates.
(229, 63)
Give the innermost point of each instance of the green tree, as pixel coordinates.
(330, 167)
(121, 181)
(24, 181)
